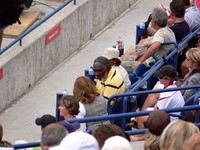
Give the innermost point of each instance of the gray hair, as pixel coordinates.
(103, 61)
(53, 135)
(160, 17)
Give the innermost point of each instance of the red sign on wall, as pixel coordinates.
(53, 34)
(1, 73)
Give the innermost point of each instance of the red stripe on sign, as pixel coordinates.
(51, 35)
(1, 73)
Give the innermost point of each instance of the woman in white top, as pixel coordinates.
(69, 109)
(113, 56)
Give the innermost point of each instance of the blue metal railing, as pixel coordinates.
(114, 116)
(19, 39)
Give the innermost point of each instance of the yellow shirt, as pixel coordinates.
(113, 84)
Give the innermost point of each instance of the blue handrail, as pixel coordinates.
(126, 95)
(35, 26)
(114, 116)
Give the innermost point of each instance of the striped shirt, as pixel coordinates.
(113, 84)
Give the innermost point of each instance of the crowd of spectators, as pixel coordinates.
(115, 75)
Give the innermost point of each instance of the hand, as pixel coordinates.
(179, 82)
(135, 64)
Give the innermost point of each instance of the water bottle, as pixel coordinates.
(120, 46)
(144, 85)
(64, 93)
(142, 24)
(91, 71)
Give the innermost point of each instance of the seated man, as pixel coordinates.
(172, 99)
(143, 60)
(180, 27)
(192, 15)
(109, 81)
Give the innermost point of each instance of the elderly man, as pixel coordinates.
(143, 59)
(109, 80)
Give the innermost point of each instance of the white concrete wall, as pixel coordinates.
(24, 66)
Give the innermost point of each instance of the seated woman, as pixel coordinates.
(69, 109)
(95, 105)
(192, 62)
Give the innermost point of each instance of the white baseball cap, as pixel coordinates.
(111, 53)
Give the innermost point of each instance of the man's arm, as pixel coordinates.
(149, 52)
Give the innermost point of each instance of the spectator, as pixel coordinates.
(103, 132)
(45, 120)
(193, 143)
(166, 76)
(77, 141)
(143, 60)
(94, 104)
(52, 135)
(156, 123)
(109, 80)
(113, 56)
(180, 26)
(197, 4)
(176, 134)
(4, 145)
(192, 62)
(192, 15)
(117, 143)
(69, 109)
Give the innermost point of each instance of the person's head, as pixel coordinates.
(177, 8)
(1, 132)
(85, 90)
(52, 135)
(78, 141)
(193, 143)
(159, 17)
(166, 74)
(116, 143)
(156, 123)
(103, 132)
(175, 135)
(186, 3)
(45, 120)
(112, 54)
(69, 106)
(193, 58)
(101, 68)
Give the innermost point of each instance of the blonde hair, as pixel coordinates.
(85, 90)
(193, 143)
(175, 135)
(193, 54)
(151, 141)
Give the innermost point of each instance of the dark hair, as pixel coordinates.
(71, 104)
(103, 61)
(177, 8)
(186, 2)
(117, 61)
(103, 132)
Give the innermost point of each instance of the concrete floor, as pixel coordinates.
(19, 120)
